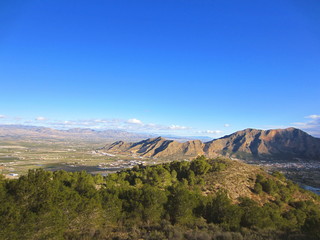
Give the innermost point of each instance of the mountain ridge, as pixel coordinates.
(289, 143)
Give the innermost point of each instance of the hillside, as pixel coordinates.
(207, 199)
(287, 143)
(282, 144)
(158, 147)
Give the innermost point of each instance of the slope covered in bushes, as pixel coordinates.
(201, 199)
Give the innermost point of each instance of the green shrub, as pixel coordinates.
(257, 188)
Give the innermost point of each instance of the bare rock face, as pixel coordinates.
(118, 146)
(270, 144)
(158, 147)
(247, 144)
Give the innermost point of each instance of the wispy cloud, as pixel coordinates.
(214, 132)
(41, 119)
(2, 116)
(134, 121)
(177, 127)
(132, 124)
(227, 125)
(312, 125)
(314, 116)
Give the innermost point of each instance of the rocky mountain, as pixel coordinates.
(158, 147)
(282, 144)
(286, 143)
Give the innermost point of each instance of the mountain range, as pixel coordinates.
(30, 133)
(38, 133)
(248, 144)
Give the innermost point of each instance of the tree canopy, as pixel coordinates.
(161, 201)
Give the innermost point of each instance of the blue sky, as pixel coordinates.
(164, 66)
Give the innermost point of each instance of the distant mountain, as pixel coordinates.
(282, 144)
(29, 133)
(22, 132)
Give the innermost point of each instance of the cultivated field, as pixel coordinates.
(16, 157)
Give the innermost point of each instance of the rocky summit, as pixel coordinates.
(282, 144)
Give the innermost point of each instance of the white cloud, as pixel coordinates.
(105, 120)
(227, 125)
(312, 126)
(2, 116)
(98, 121)
(314, 116)
(212, 132)
(133, 124)
(41, 118)
(134, 121)
(177, 127)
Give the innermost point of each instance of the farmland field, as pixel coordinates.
(17, 157)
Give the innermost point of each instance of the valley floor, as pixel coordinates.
(17, 157)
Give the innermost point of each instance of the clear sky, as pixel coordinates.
(185, 67)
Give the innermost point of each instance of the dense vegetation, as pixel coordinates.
(162, 201)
